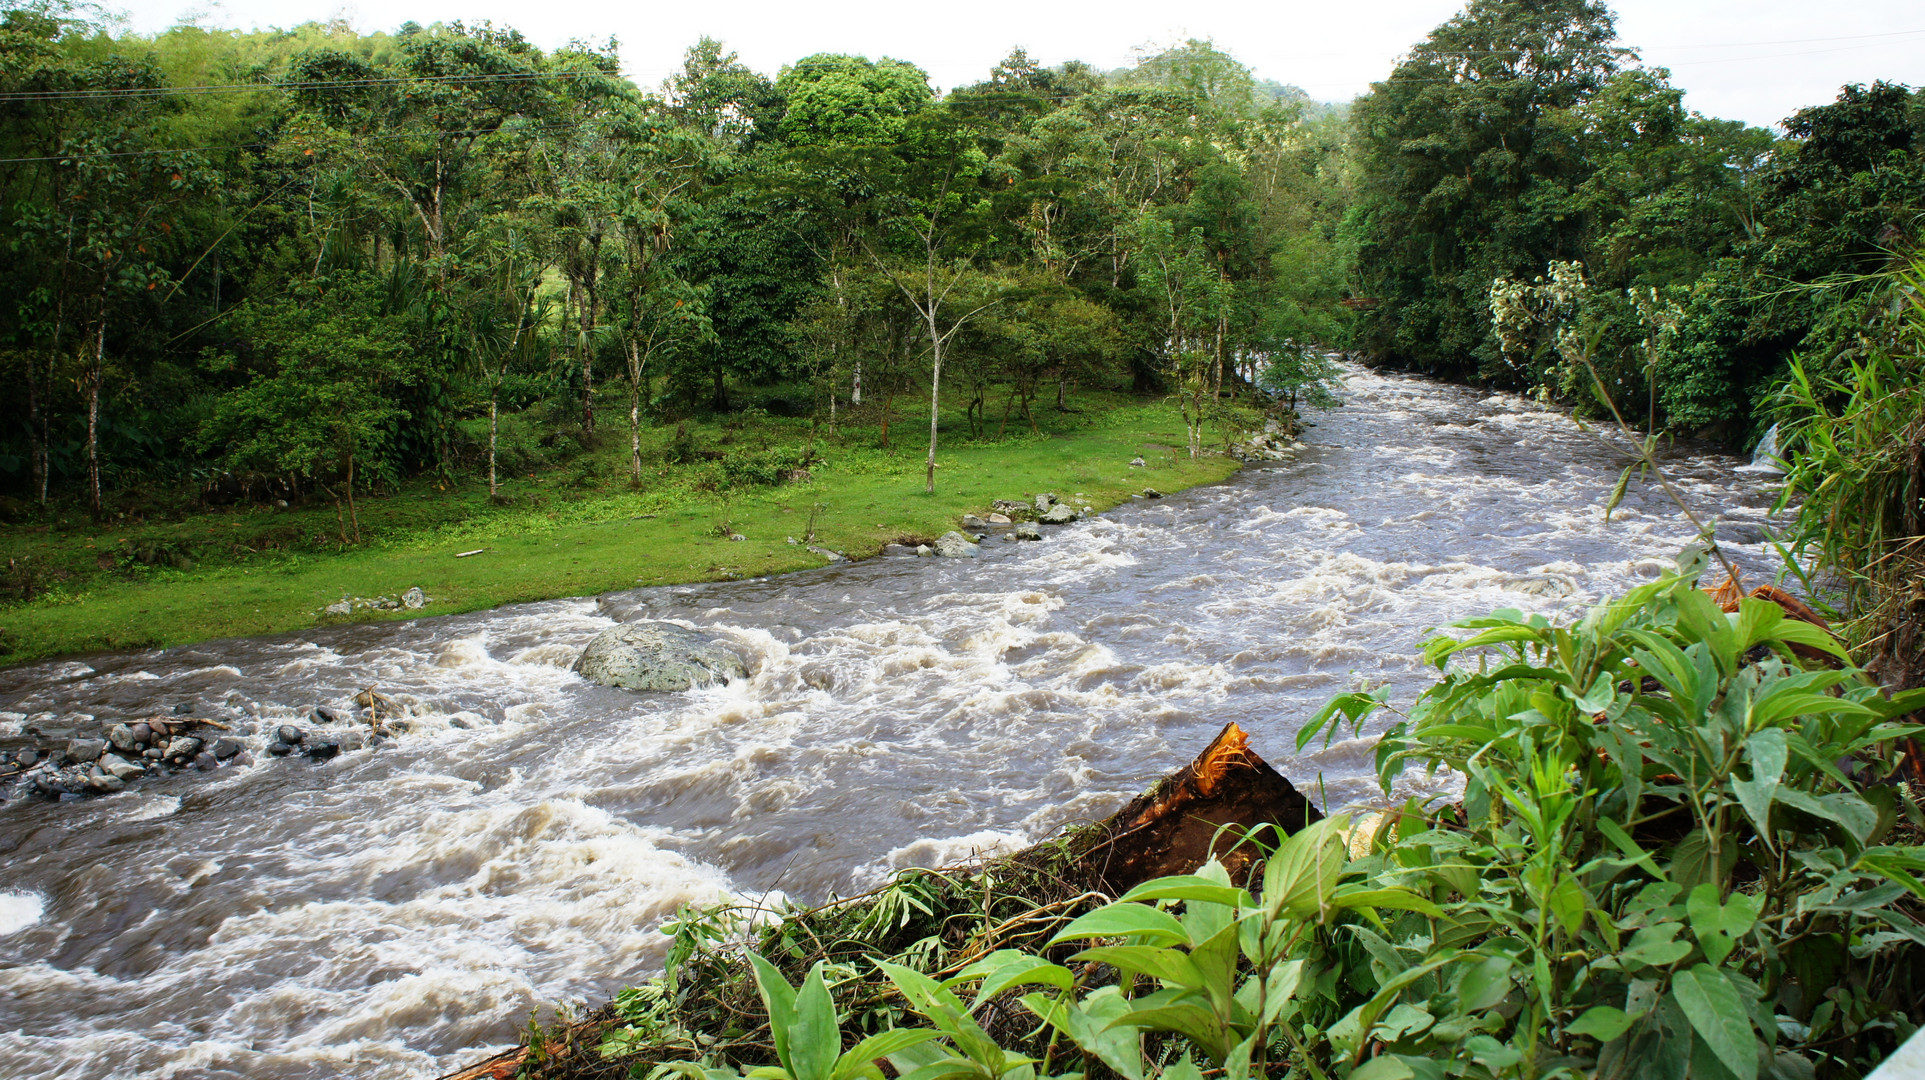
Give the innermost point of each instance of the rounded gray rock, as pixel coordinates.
(657, 656)
(954, 545)
(182, 746)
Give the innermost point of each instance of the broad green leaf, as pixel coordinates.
(1719, 1016)
(1303, 873)
(1766, 752)
(1849, 810)
(1480, 733)
(778, 997)
(1184, 1069)
(1394, 897)
(1402, 1021)
(1009, 967)
(1775, 707)
(1757, 621)
(923, 993)
(1189, 887)
(1484, 984)
(1091, 1024)
(1216, 961)
(1794, 632)
(815, 1041)
(944, 1069)
(1691, 861)
(1899, 865)
(694, 1071)
(1599, 697)
(1655, 946)
(1168, 966)
(1192, 1021)
(1700, 614)
(882, 1044)
(1364, 1017)
(1383, 1067)
(1568, 902)
(1719, 926)
(1119, 919)
(1437, 650)
(1279, 987)
(1601, 1022)
(1668, 664)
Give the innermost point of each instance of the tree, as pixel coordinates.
(1468, 172)
(320, 402)
(503, 311)
(920, 236)
(96, 205)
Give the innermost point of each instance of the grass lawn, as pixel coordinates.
(568, 524)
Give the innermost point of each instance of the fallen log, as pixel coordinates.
(1215, 806)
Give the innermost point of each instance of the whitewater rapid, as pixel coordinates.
(396, 913)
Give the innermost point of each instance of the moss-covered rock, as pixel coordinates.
(657, 656)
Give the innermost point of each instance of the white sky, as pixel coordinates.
(1751, 60)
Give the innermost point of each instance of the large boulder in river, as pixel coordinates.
(657, 656)
(954, 545)
(1058, 514)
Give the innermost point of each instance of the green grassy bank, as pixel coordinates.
(568, 523)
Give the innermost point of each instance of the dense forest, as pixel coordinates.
(309, 263)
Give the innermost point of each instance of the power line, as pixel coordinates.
(438, 133)
(316, 84)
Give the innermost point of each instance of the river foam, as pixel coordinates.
(392, 914)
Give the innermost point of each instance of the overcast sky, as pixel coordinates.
(1751, 60)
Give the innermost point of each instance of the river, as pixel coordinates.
(396, 913)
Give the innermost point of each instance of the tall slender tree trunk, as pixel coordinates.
(1222, 331)
(93, 416)
(634, 414)
(494, 428)
(353, 518)
(36, 448)
(584, 330)
(935, 392)
(855, 386)
(592, 313)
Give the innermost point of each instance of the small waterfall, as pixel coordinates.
(1765, 458)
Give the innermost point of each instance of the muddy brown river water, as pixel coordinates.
(395, 913)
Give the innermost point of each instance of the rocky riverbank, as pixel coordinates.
(76, 755)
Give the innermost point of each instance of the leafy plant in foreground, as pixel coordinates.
(1673, 857)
